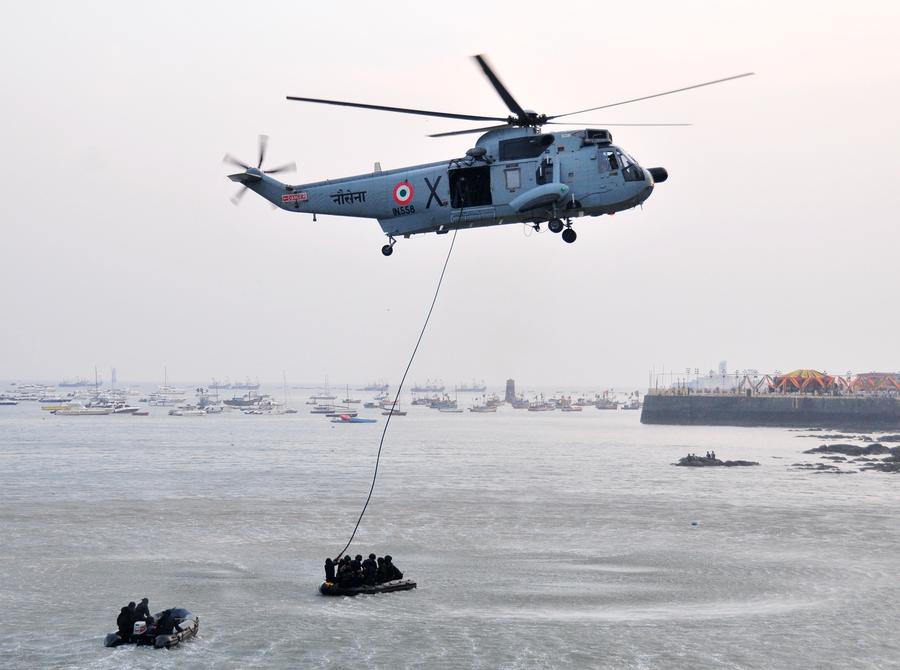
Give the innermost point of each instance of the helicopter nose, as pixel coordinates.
(659, 174)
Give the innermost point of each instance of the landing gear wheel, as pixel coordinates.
(555, 225)
(387, 249)
(569, 236)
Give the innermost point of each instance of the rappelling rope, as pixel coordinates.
(437, 290)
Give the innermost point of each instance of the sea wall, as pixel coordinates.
(800, 411)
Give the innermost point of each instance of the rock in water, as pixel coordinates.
(703, 462)
(849, 449)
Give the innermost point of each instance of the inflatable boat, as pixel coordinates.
(171, 627)
(332, 589)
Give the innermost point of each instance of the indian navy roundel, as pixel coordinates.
(403, 193)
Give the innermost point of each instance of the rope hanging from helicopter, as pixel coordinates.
(394, 405)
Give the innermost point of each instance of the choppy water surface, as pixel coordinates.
(537, 539)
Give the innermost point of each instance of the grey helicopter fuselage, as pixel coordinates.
(513, 175)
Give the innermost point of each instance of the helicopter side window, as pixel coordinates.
(513, 178)
(544, 173)
(608, 161)
(520, 148)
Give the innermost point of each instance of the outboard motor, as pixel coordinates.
(659, 174)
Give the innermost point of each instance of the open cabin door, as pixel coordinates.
(470, 195)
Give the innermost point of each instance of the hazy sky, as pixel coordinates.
(774, 243)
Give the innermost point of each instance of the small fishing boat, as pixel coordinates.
(352, 418)
(171, 628)
(331, 589)
(392, 409)
(342, 411)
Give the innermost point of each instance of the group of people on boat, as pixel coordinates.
(347, 572)
(132, 614)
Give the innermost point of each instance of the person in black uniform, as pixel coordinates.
(370, 570)
(380, 573)
(166, 623)
(344, 572)
(391, 571)
(329, 570)
(142, 612)
(356, 566)
(123, 623)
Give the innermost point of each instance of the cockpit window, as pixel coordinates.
(630, 169)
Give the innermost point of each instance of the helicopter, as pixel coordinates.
(515, 173)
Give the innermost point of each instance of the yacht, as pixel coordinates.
(125, 409)
(77, 409)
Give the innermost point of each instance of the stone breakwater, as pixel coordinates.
(796, 411)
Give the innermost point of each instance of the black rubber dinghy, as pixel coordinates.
(172, 627)
(331, 589)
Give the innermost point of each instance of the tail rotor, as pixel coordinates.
(253, 174)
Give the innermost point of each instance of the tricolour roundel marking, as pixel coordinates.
(403, 193)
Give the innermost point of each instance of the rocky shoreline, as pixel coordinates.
(853, 454)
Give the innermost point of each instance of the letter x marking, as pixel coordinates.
(433, 193)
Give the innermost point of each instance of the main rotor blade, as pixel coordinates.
(236, 198)
(402, 110)
(287, 167)
(655, 95)
(470, 130)
(234, 161)
(263, 143)
(603, 125)
(511, 103)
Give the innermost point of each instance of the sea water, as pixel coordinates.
(538, 540)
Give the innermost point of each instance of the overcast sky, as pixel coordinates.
(774, 243)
